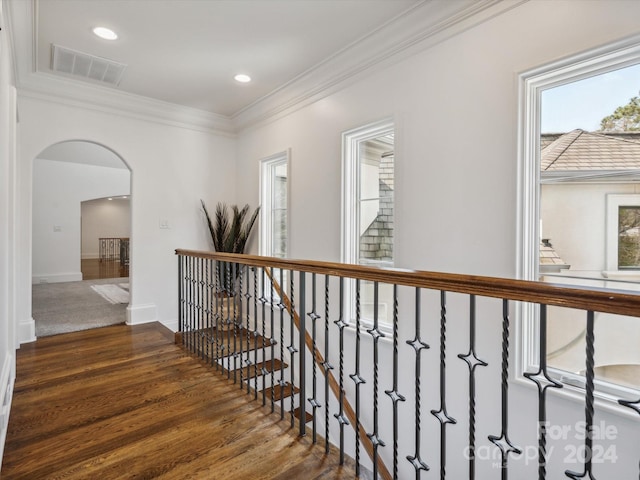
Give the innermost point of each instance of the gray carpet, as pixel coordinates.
(73, 306)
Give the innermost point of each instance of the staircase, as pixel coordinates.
(247, 359)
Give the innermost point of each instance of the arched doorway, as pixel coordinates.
(70, 179)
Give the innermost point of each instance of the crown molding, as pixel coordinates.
(427, 24)
(48, 87)
(419, 28)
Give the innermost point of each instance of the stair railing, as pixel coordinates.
(249, 323)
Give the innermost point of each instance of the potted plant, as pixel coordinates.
(230, 229)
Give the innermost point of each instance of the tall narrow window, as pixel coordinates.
(580, 217)
(274, 225)
(368, 211)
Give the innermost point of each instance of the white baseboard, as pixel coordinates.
(27, 331)
(56, 277)
(171, 325)
(90, 256)
(145, 313)
(7, 378)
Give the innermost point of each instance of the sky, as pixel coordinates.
(584, 103)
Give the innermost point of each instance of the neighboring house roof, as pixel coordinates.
(580, 150)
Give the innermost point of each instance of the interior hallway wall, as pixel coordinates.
(172, 168)
(455, 106)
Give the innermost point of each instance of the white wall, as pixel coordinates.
(7, 231)
(456, 112)
(172, 168)
(103, 218)
(58, 190)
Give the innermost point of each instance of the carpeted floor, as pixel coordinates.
(73, 306)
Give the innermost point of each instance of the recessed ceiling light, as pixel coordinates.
(124, 196)
(110, 198)
(242, 78)
(105, 33)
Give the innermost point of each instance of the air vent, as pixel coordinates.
(83, 65)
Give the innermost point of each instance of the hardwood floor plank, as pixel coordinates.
(125, 402)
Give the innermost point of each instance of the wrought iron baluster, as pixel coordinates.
(357, 378)
(293, 350)
(543, 381)
(255, 334)
(272, 343)
(218, 314)
(251, 333)
(342, 420)
(282, 382)
(589, 402)
(240, 316)
(503, 442)
(394, 394)
(181, 295)
(207, 306)
(326, 365)
(247, 270)
(472, 361)
(199, 284)
(376, 334)
(303, 354)
(418, 345)
(313, 400)
(229, 321)
(441, 414)
(235, 321)
(263, 302)
(190, 303)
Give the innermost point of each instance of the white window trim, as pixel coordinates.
(351, 140)
(266, 164)
(531, 84)
(265, 246)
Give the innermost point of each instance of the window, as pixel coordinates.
(274, 205)
(274, 214)
(623, 234)
(368, 211)
(579, 211)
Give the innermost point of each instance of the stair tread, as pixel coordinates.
(250, 371)
(308, 416)
(280, 391)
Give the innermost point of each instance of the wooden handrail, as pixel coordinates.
(584, 298)
(333, 383)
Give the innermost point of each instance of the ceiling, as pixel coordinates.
(181, 55)
(186, 52)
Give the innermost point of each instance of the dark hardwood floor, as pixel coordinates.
(93, 269)
(126, 402)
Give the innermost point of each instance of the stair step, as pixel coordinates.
(196, 337)
(249, 371)
(279, 391)
(308, 416)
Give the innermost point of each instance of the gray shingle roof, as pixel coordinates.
(580, 150)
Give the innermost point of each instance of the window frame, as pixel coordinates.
(350, 218)
(614, 202)
(267, 167)
(531, 84)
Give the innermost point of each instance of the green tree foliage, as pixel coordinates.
(624, 119)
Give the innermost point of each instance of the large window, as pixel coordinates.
(580, 209)
(368, 212)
